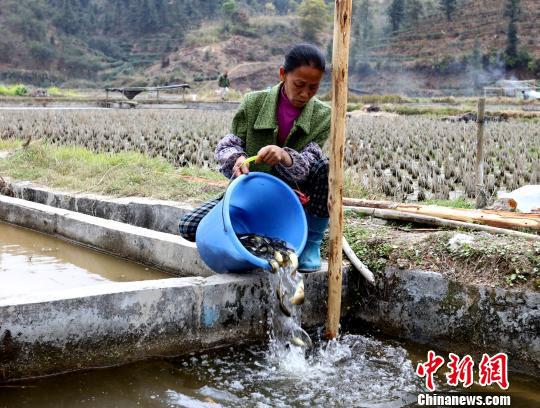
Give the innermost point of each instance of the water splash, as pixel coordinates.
(352, 371)
(286, 333)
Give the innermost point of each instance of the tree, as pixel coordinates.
(364, 18)
(396, 13)
(414, 11)
(228, 8)
(511, 41)
(449, 6)
(512, 11)
(234, 15)
(313, 19)
(42, 52)
(148, 17)
(362, 32)
(476, 56)
(161, 11)
(269, 8)
(476, 64)
(67, 20)
(282, 6)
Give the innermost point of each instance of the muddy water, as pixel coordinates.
(32, 262)
(359, 371)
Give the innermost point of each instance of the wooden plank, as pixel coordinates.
(439, 222)
(501, 219)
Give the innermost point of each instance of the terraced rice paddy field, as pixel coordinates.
(402, 157)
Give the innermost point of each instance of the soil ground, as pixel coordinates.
(466, 256)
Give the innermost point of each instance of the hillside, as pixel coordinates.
(482, 22)
(88, 43)
(457, 56)
(252, 61)
(84, 41)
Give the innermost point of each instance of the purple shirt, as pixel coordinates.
(286, 115)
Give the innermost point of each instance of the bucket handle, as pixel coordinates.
(247, 161)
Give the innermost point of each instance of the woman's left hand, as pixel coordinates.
(273, 155)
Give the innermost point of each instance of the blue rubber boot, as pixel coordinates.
(310, 259)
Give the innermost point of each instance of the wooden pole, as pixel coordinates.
(481, 195)
(340, 68)
(494, 218)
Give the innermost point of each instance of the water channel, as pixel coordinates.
(359, 370)
(31, 262)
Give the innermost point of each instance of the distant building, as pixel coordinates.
(513, 88)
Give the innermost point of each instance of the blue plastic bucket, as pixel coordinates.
(255, 203)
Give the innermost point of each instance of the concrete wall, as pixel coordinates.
(157, 215)
(121, 322)
(430, 309)
(116, 323)
(418, 305)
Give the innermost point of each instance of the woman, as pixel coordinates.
(286, 127)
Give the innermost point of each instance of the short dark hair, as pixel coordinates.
(304, 55)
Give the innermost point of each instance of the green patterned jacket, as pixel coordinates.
(256, 124)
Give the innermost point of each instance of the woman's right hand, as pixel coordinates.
(238, 169)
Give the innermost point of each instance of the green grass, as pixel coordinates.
(378, 99)
(13, 90)
(354, 106)
(457, 203)
(55, 91)
(8, 144)
(121, 174)
(353, 188)
(535, 152)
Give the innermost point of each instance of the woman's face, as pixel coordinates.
(301, 84)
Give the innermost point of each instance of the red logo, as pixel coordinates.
(494, 370)
(460, 371)
(490, 370)
(429, 368)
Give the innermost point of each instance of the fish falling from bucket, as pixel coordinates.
(287, 281)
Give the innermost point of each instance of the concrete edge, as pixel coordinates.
(157, 215)
(100, 327)
(157, 249)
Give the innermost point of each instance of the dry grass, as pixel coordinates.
(116, 174)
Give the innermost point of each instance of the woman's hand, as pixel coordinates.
(273, 155)
(238, 169)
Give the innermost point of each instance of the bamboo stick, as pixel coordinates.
(340, 68)
(357, 263)
(425, 219)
